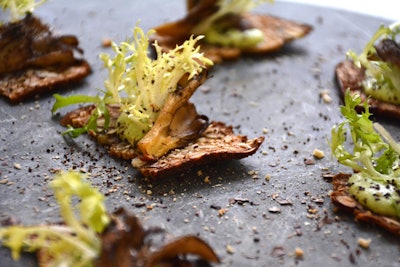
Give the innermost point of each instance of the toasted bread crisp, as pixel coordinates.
(179, 138)
(33, 81)
(350, 77)
(33, 61)
(344, 201)
(217, 142)
(277, 32)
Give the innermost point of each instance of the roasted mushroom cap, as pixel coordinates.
(126, 243)
(389, 51)
(177, 124)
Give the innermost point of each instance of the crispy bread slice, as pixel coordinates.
(29, 82)
(277, 32)
(344, 201)
(217, 142)
(349, 76)
(34, 61)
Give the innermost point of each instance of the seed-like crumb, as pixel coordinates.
(17, 166)
(106, 42)
(274, 209)
(221, 212)
(319, 154)
(325, 96)
(230, 249)
(298, 253)
(364, 243)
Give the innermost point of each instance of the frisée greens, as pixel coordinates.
(139, 84)
(374, 156)
(74, 243)
(382, 79)
(19, 8)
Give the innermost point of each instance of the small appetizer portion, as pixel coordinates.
(145, 114)
(372, 192)
(90, 236)
(375, 73)
(229, 29)
(33, 60)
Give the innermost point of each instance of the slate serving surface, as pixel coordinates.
(276, 95)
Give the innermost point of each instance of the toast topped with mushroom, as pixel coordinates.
(229, 29)
(145, 115)
(374, 74)
(34, 61)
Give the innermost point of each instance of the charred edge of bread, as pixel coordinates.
(33, 81)
(349, 76)
(344, 201)
(78, 117)
(277, 31)
(217, 142)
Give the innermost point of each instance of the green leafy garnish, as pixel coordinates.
(100, 109)
(62, 101)
(19, 8)
(376, 183)
(382, 78)
(139, 84)
(75, 243)
(219, 33)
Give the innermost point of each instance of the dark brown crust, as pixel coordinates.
(125, 242)
(277, 31)
(349, 76)
(344, 201)
(34, 61)
(116, 148)
(23, 84)
(217, 142)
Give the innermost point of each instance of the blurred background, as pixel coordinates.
(381, 8)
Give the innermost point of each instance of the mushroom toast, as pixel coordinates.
(375, 73)
(229, 29)
(145, 114)
(33, 60)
